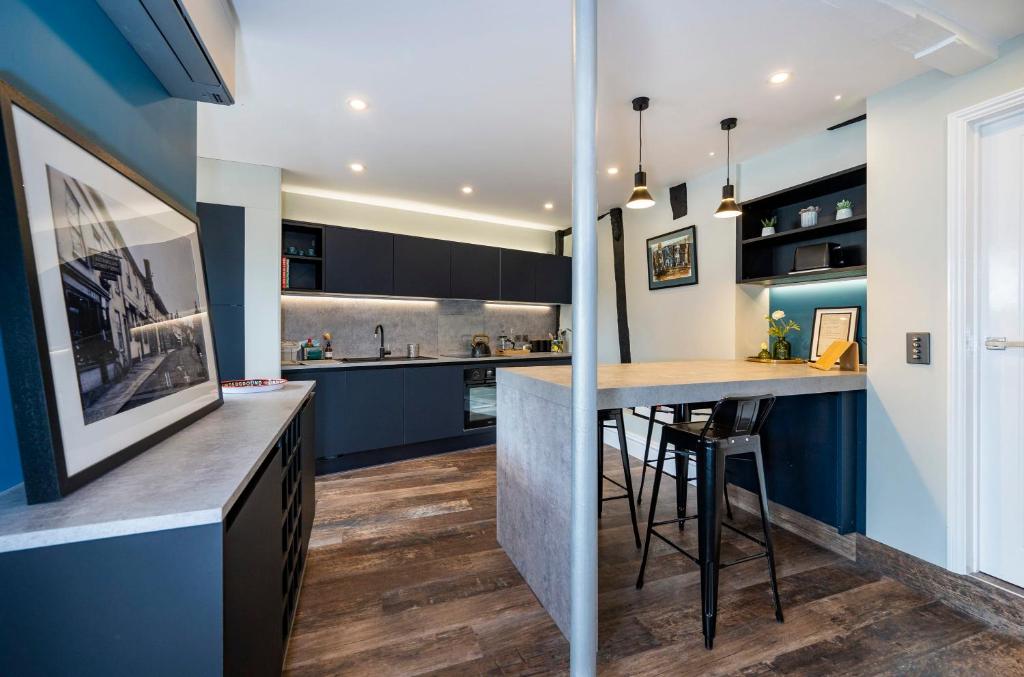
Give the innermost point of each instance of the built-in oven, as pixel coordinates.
(480, 398)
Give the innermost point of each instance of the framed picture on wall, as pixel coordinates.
(831, 324)
(106, 326)
(672, 259)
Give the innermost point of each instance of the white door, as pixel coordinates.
(1001, 316)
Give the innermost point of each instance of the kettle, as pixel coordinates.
(481, 345)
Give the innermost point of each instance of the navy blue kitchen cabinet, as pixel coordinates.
(222, 234)
(359, 261)
(518, 275)
(423, 267)
(476, 271)
(252, 578)
(554, 279)
(432, 403)
(331, 391)
(373, 416)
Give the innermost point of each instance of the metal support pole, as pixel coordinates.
(583, 546)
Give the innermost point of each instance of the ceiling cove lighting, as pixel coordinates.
(358, 104)
(357, 167)
(467, 190)
(641, 197)
(728, 209)
(778, 78)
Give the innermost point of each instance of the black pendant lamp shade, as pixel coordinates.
(728, 209)
(641, 197)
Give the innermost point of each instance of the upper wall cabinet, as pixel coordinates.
(423, 267)
(554, 279)
(518, 275)
(476, 271)
(359, 261)
(355, 261)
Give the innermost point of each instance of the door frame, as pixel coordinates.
(963, 356)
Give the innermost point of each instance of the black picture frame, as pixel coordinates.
(690, 233)
(854, 330)
(26, 350)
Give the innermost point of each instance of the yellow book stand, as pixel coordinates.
(847, 353)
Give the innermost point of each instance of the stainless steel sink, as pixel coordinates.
(389, 358)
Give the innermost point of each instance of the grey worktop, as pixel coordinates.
(646, 383)
(191, 478)
(334, 364)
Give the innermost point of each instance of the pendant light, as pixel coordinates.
(641, 197)
(728, 209)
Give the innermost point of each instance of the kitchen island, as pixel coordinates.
(814, 449)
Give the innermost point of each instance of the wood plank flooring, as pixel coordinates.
(405, 577)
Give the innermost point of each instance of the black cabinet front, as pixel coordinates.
(554, 279)
(518, 275)
(476, 271)
(423, 267)
(433, 402)
(373, 416)
(358, 261)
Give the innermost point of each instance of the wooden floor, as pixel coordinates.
(405, 577)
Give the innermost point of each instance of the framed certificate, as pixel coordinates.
(831, 324)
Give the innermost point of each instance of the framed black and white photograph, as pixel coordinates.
(672, 259)
(115, 292)
(832, 324)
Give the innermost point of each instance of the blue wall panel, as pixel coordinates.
(68, 56)
(799, 302)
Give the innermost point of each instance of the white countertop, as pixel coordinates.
(191, 478)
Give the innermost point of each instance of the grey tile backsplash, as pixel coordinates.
(441, 327)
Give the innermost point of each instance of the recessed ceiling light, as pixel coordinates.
(837, 97)
(778, 78)
(549, 205)
(711, 153)
(612, 171)
(357, 167)
(358, 104)
(468, 190)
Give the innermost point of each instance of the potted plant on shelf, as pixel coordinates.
(768, 226)
(779, 329)
(844, 210)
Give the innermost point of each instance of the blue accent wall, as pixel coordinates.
(68, 56)
(799, 302)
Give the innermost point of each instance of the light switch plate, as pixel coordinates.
(919, 347)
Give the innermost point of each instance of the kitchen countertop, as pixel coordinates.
(645, 383)
(334, 364)
(193, 477)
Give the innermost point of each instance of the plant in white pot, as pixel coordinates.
(768, 226)
(844, 210)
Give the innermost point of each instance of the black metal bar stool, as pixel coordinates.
(732, 431)
(681, 413)
(614, 417)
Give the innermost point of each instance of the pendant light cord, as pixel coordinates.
(728, 154)
(641, 163)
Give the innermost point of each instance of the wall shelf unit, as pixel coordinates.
(768, 260)
(302, 271)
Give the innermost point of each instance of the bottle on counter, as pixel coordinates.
(328, 350)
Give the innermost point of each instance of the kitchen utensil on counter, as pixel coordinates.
(506, 343)
(412, 350)
(540, 345)
(289, 351)
(481, 345)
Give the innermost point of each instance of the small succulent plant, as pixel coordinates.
(770, 222)
(844, 204)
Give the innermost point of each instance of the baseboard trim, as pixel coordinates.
(987, 601)
(816, 532)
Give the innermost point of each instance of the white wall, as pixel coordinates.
(338, 212)
(906, 443)
(257, 188)
(716, 318)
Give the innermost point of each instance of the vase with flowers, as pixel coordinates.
(779, 327)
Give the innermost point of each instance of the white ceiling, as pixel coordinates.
(470, 92)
